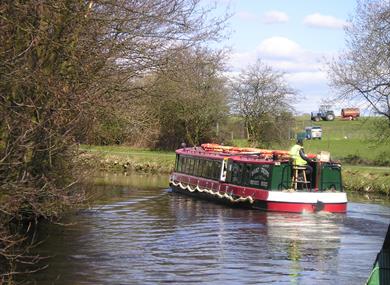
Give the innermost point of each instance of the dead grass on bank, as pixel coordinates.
(127, 162)
(367, 179)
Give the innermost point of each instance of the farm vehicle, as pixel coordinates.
(350, 113)
(325, 113)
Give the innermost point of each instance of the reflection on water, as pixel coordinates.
(140, 233)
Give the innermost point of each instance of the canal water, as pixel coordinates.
(138, 232)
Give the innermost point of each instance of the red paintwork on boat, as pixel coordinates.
(305, 207)
(260, 195)
(264, 199)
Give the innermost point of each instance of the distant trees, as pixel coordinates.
(263, 98)
(182, 101)
(362, 72)
(189, 97)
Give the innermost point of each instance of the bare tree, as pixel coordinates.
(262, 97)
(189, 97)
(64, 63)
(362, 72)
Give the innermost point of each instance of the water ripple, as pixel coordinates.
(152, 236)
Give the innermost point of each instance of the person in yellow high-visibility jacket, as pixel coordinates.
(299, 158)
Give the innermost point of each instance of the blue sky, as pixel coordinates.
(293, 36)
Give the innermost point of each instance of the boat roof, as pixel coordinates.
(237, 154)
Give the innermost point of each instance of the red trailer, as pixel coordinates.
(350, 113)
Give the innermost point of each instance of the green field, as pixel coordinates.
(339, 129)
(124, 158)
(346, 140)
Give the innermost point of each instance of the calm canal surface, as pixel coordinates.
(138, 232)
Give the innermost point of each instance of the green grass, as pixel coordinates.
(123, 158)
(339, 129)
(348, 147)
(343, 138)
(241, 143)
(370, 169)
(367, 179)
(126, 150)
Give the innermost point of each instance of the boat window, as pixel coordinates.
(179, 163)
(191, 166)
(209, 169)
(229, 171)
(246, 173)
(182, 164)
(209, 173)
(186, 164)
(237, 173)
(217, 169)
(200, 167)
(206, 169)
(196, 167)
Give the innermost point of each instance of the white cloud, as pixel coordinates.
(304, 69)
(272, 17)
(323, 21)
(282, 54)
(299, 64)
(307, 77)
(303, 66)
(279, 47)
(240, 60)
(247, 16)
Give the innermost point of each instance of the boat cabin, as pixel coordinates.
(270, 173)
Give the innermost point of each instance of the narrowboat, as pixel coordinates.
(259, 179)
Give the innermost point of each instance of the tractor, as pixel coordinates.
(325, 113)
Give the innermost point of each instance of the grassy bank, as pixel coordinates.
(364, 179)
(367, 179)
(126, 159)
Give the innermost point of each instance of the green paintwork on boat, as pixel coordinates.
(380, 274)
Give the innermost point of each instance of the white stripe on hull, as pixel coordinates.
(307, 197)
